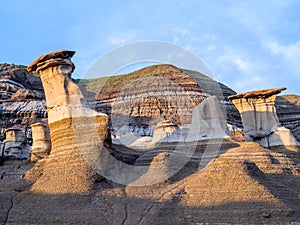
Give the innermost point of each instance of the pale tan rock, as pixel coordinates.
(208, 121)
(164, 131)
(77, 132)
(41, 145)
(260, 121)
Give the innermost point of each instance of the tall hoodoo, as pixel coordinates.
(260, 121)
(77, 132)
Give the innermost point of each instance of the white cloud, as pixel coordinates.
(122, 38)
(288, 51)
(231, 58)
(241, 64)
(289, 55)
(181, 31)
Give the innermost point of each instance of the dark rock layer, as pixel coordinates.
(137, 100)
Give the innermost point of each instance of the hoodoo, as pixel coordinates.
(260, 121)
(77, 132)
(41, 145)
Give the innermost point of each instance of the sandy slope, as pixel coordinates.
(245, 184)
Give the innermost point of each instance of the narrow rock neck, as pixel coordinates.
(62, 95)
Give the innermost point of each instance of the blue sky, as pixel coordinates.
(247, 45)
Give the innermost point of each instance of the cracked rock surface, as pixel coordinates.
(11, 185)
(244, 184)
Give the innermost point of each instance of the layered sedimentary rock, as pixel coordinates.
(150, 99)
(259, 118)
(15, 144)
(77, 133)
(138, 100)
(41, 145)
(162, 166)
(288, 111)
(245, 182)
(23, 102)
(21, 97)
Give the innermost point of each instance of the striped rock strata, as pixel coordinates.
(77, 133)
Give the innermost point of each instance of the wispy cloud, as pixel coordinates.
(288, 51)
(240, 63)
(246, 44)
(290, 55)
(122, 38)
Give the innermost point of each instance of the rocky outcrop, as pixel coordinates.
(288, 111)
(77, 133)
(15, 144)
(21, 97)
(259, 118)
(134, 102)
(20, 77)
(41, 142)
(164, 130)
(208, 121)
(162, 92)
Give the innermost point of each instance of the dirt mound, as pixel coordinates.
(224, 181)
(243, 185)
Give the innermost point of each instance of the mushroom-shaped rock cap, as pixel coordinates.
(257, 94)
(60, 54)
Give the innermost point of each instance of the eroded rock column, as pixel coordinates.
(41, 145)
(260, 121)
(77, 132)
(15, 144)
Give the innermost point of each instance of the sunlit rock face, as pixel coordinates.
(41, 145)
(260, 121)
(77, 132)
(137, 101)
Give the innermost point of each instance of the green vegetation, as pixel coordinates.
(104, 83)
(7, 66)
(289, 99)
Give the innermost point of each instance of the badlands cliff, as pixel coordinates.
(21, 97)
(143, 96)
(140, 99)
(203, 177)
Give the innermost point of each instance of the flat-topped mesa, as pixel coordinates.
(260, 121)
(77, 132)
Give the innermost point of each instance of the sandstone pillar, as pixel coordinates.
(41, 145)
(77, 133)
(260, 121)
